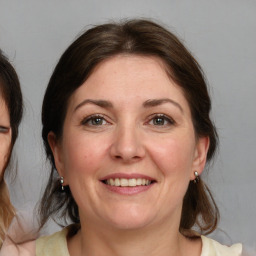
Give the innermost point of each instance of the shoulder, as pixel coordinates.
(23, 249)
(53, 245)
(214, 248)
(21, 236)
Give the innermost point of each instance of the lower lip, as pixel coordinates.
(128, 190)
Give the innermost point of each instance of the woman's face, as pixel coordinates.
(5, 135)
(128, 149)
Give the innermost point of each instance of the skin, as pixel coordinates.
(5, 135)
(9, 246)
(133, 138)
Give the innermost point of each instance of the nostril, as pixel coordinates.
(127, 148)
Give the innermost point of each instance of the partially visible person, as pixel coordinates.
(10, 117)
(12, 240)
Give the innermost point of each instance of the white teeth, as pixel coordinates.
(138, 182)
(128, 182)
(132, 183)
(117, 182)
(124, 182)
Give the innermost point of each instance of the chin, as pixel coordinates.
(129, 220)
(129, 224)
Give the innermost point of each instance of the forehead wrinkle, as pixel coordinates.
(100, 103)
(157, 102)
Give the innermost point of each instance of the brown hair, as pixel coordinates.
(137, 37)
(11, 93)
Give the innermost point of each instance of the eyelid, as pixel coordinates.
(4, 129)
(160, 115)
(86, 119)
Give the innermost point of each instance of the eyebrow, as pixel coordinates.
(100, 103)
(146, 104)
(157, 102)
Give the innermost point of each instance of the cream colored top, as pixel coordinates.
(56, 245)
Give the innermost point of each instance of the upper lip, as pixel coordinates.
(127, 176)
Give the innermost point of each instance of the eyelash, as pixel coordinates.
(166, 121)
(165, 118)
(92, 118)
(4, 129)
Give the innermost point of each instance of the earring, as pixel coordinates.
(196, 180)
(61, 182)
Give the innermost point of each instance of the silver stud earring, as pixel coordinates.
(61, 182)
(196, 180)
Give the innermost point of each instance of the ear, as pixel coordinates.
(57, 153)
(200, 156)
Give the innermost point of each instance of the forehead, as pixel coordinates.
(4, 112)
(2, 91)
(2, 100)
(136, 77)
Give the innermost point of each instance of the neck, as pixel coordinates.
(161, 240)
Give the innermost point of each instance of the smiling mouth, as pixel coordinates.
(122, 182)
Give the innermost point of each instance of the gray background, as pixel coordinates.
(222, 36)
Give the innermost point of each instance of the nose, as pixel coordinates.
(127, 145)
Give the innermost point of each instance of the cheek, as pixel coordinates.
(173, 156)
(1, 168)
(83, 155)
(4, 154)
